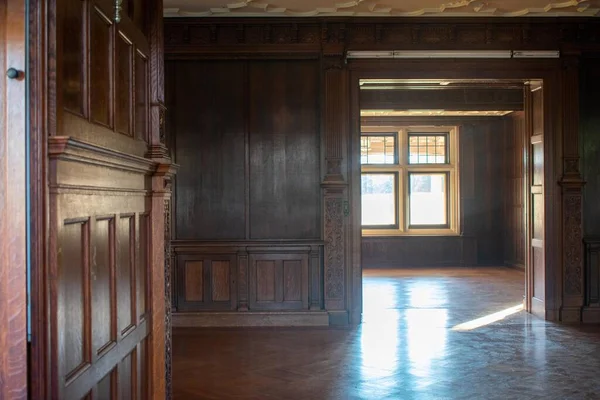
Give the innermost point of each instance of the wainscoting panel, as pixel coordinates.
(248, 278)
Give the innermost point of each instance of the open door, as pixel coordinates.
(103, 324)
(13, 212)
(535, 260)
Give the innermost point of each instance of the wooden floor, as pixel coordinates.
(426, 334)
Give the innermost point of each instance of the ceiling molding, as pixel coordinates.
(371, 8)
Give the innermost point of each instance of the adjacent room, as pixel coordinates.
(443, 197)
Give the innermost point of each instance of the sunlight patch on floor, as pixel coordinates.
(488, 319)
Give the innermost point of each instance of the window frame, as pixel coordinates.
(404, 168)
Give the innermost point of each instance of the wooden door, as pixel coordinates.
(535, 209)
(13, 359)
(107, 202)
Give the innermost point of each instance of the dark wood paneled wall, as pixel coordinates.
(248, 143)
(590, 143)
(208, 125)
(327, 40)
(590, 160)
(246, 136)
(482, 171)
(514, 207)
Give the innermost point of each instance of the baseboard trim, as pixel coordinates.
(590, 315)
(520, 267)
(250, 319)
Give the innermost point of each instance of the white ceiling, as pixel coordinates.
(400, 8)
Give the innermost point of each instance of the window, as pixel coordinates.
(409, 181)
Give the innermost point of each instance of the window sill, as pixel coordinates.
(411, 233)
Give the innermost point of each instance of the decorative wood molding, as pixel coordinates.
(335, 123)
(260, 37)
(168, 307)
(470, 8)
(573, 242)
(250, 319)
(334, 276)
(70, 149)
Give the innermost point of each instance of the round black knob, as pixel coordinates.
(12, 73)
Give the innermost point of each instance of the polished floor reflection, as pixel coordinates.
(427, 334)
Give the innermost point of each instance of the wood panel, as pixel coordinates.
(514, 237)
(536, 259)
(284, 150)
(101, 40)
(74, 277)
(73, 46)
(278, 281)
(208, 120)
(220, 280)
(124, 89)
(590, 132)
(205, 282)
(194, 280)
(141, 96)
(126, 273)
(246, 276)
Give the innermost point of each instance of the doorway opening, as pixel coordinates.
(452, 200)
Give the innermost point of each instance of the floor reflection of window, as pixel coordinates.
(379, 342)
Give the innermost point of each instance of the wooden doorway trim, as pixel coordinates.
(555, 115)
(13, 195)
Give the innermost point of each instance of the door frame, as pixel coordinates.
(13, 201)
(546, 70)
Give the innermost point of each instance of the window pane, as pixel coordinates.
(378, 149)
(427, 149)
(379, 199)
(428, 199)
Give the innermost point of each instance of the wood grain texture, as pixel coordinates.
(124, 84)
(194, 281)
(220, 280)
(514, 238)
(101, 213)
(13, 255)
(209, 148)
(100, 64)
(284, 150)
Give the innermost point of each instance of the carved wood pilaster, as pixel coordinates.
(335, 247)
(335, 116)
(168, 294)
(572, 195)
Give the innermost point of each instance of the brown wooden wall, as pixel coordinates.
(482, 172)
(306, 40)
(247, 139)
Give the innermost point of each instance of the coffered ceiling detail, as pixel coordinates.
(383, 8)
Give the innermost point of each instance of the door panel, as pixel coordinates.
(13, 330)
(536, 262)
(101, 209)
